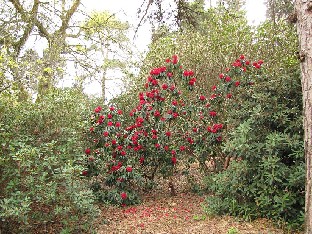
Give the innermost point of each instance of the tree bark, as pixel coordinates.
(304, 28)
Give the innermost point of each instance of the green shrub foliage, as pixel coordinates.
(41, 145)
(174, 123)
(266, 177)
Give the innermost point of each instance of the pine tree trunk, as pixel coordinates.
(304, 27)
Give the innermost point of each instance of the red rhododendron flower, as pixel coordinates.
(175, 59)
(98, 109)
(169, 74)
(112, 108)
(156, 113)
(157, 145)
(141, 160)
(114, 142)
(168, 60)
(100, 120)
(213, 113)
(129, 169)
(110, 123)
(202, 98)
(166, 147)
(227, 79)
(174, 102)
(242, 56)
(174, 160)
(237, 63)
(247, 63)
(105, 134)
(195, 129)
(92, 129)
(88, 151)
(237, 83)
(173, 152)
(119, 112)
(84, 173)
(182, 148)
(91, 159)
(109, 116)
(123, 196)
(229, 95)
(192, 81)
(219, 138)
(154, 82)
(154, 137)
(123, 153)
(172, 87)
(164, 86)
(221, 76)
(118, 124)
(175, 115)
(168, 134)
(188, 73)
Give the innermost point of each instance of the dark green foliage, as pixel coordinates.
(266, 177)
(41, 149)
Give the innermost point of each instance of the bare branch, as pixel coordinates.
(29, 28)
(68, 16)
(150, 2)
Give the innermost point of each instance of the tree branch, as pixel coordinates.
(31, 22)
(29, 28)
(69, 14)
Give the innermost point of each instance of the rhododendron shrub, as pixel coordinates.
(109, 155)
(174, 123)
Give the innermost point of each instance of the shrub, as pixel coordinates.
(266, 139)
(173, 123)
(39, 164)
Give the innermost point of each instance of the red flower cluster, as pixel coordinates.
(158, 71)
(162, 120)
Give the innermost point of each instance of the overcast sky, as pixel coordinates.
(126, 10)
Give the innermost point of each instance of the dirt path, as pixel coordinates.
(175, 215)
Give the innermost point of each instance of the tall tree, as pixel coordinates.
(279, 9)
(50, 21)
(304, 16)
(109, 45)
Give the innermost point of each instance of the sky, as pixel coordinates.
(126, 10)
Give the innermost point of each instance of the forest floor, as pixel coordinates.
(176, 215)
(160, 213)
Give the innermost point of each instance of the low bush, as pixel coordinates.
(39, 165)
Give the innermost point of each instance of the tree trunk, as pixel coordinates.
(304, 27)
(103, 87)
